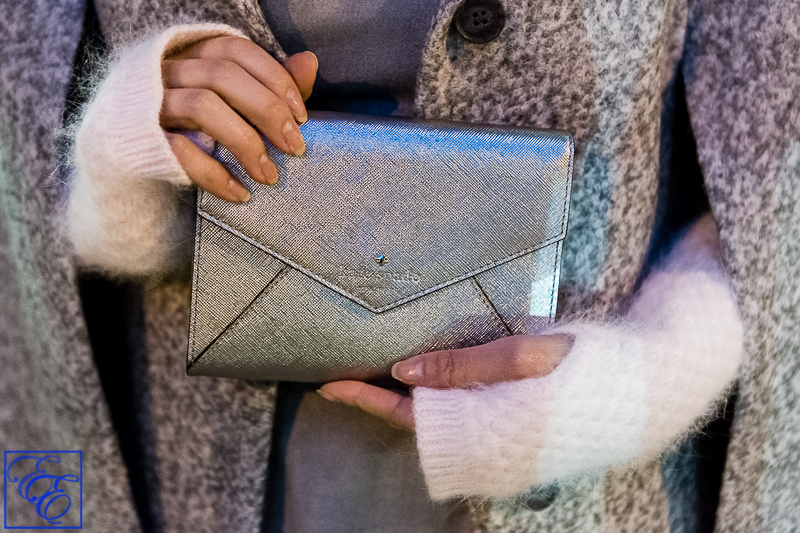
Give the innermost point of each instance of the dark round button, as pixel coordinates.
(480, 21)
(541, 498)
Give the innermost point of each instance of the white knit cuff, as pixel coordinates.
(448, 441)
(624, 392)
(500, 440)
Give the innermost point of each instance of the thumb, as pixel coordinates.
(303, 69)
(507, 359)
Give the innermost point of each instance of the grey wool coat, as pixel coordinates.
(605, 70)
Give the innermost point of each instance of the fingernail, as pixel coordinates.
(296, 105)
(409, 372)
(329, 397)
(268, 169)
(238, 190)
(291, 134)
(316, 60)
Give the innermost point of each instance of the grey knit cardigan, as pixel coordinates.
(598, 68)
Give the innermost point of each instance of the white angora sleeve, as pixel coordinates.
(127, 209)
(625, 390)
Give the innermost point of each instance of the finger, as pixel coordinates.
(204, 110)
(243, 93)
(256, 62)
(303, 69)
(507, 359)
(205, 171)
(395, 409)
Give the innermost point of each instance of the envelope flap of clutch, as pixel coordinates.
(384, 211)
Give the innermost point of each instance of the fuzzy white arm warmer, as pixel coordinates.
(127, 210)
(625, 391)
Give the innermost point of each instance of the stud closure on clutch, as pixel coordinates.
(381, 259)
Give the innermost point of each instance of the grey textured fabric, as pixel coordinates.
(369, 52)
(49, 388)
(348, 471)
(743, 88)
(597, 69)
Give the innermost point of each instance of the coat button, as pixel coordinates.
(480, 21)
(541, 499)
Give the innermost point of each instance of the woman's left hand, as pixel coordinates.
(507, 359)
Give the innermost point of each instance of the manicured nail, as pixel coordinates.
(329, 397)
(291, 134)
(268, 169)
(238, 190)
(316, 60)
(409, 372)
(296, 105)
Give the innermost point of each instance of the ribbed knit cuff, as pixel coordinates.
(445, 439)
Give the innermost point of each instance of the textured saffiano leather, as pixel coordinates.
(387, 238)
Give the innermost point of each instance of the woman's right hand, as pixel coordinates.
(224, 87)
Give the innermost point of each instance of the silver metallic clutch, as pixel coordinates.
(388, 238)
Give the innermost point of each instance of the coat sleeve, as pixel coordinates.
(625, 391)
(742, 72)
(128, 210)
